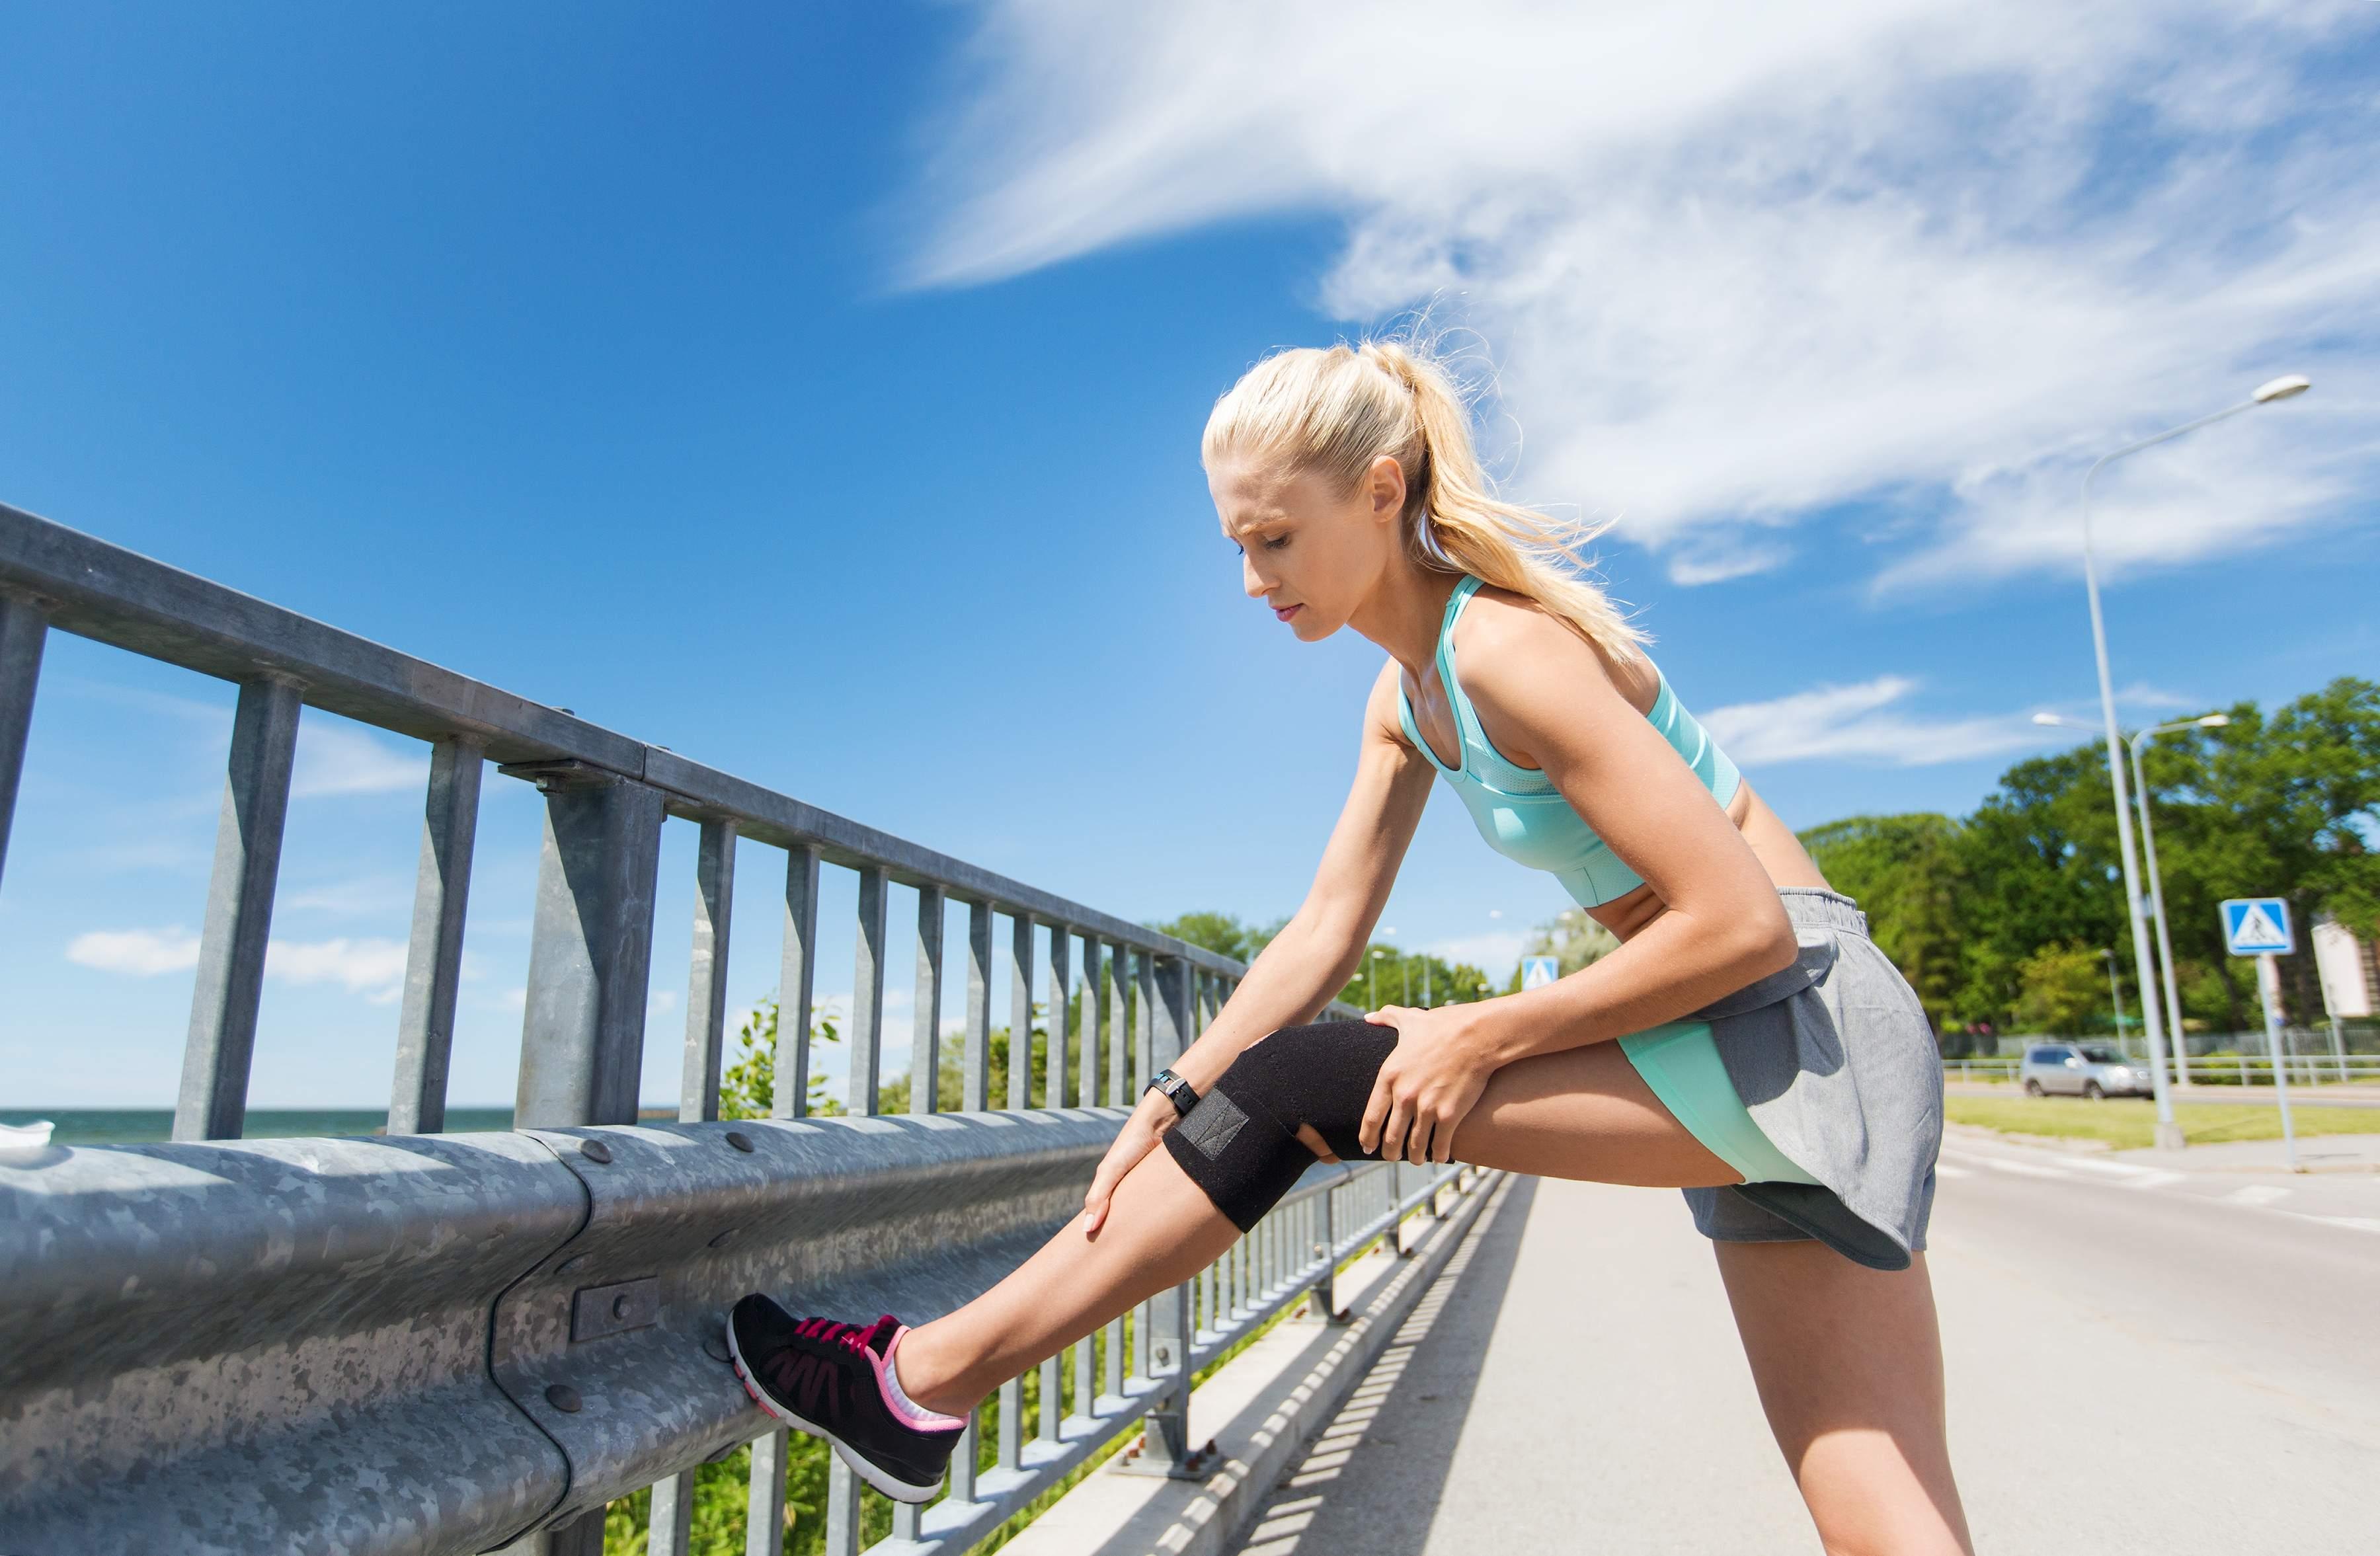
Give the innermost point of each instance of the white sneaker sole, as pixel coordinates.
(891, 1485)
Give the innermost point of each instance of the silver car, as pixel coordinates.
(2092, 1070)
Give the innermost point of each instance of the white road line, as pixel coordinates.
(2255, 1194)
(2113, 1168)
(1943, 1169)
(2022, 1169)
(2353, 1223)
(2152, 1178)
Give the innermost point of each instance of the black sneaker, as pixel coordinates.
(836, 1380)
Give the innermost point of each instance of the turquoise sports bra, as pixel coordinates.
(1518, 809)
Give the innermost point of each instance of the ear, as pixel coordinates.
(1384, 488)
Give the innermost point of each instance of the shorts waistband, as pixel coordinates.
(1817, 905)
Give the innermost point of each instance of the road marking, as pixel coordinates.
(2022, 1169)
(1943, 1169)
(2152, 1178)
(2255, 1194)
(2114, 1169)
(2353, 1223)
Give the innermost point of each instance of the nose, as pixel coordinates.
(1251, 580)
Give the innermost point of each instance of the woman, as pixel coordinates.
(1747, 1042)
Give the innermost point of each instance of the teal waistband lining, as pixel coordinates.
(1680, 1062)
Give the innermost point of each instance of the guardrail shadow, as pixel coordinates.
(1407, 1416)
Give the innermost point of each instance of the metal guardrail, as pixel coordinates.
(435, 1342)
(2303, 1063)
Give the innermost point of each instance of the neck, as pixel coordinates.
(1403, 614)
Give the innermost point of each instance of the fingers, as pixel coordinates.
(1376, 1115)
(1384, 1016)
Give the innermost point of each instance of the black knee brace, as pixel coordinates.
(1240, 1142)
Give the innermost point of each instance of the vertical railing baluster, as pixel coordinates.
(796, 983)
(433, 959)
(670, 1531)
(590, 951)
(962, 1460)
(764, 1508)
(1117, 998)
(977, 1080)
(1168, 1424)
(841, 1508)
(23, 632)
(1060, 1008)
(1012, 1424)
(926, 1009)
(1145, 1024)
(1094, 1024)
(867, 1033)
(1020, 1012)
(905, 1520)
(706, 991)
(214, 1101)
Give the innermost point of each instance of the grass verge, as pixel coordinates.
(2129, 1124)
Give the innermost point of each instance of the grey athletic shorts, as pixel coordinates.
(1835, 1060)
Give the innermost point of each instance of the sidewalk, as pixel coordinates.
(2321, 1153)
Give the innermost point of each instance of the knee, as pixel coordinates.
(1240, 1143)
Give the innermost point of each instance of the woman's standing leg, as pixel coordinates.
(1849, 1364)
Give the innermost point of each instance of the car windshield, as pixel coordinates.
(2100, 1053)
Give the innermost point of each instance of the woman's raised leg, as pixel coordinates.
(1583, 1112)
(1849, 1364)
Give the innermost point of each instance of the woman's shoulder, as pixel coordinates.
(1509, 643)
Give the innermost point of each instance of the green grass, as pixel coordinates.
(2129, 1124)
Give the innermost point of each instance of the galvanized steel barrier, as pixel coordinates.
(433, 1342)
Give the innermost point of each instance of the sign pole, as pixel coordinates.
(2268, 989)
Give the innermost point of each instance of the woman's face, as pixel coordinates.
(1309, 552)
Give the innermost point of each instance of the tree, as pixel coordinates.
(1908, 874)
(2065, 990)
(748, 1087)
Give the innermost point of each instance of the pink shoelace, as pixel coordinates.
(851, 1337)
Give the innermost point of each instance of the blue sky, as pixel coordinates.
(818, 394)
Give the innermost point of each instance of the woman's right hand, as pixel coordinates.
(1153, 1117)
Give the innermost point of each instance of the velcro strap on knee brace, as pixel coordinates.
(1238, 1152)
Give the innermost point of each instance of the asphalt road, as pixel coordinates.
(2140, 1358)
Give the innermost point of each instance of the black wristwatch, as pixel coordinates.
(1180, 1092)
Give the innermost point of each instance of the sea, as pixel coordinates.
(125, 1126)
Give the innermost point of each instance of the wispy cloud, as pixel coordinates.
(372, 968)
(1860, 722)
(337, 759)
(1745, 263)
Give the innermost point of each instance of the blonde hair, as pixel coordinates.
(1336, 409)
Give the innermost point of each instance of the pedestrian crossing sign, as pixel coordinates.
(2258, 927)
(1539, 971)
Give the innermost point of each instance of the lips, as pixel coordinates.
(1283, 613)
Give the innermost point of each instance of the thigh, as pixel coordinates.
(1849, 1364)
(1585, 1112)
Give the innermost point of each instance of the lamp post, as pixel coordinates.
(2115, 995)
(2156, 885)
(2168, 1133)
(1372, 980)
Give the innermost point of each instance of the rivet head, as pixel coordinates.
(740, 1140)
(562, 1397)
(595, 1150)
(723, 1238)
(714, 1345)
(620, 1305)
(576, 1261)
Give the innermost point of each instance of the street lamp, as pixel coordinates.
(1372, 980)
(2168, 1133)
(2156, 885)
(2114, 996)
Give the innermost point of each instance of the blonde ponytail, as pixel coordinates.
(1337, 409)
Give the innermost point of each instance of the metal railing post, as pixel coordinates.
(764, 1506)
(670, 1530)
(23, 631)
(214, 1101)
(433, 961)
(1167, 1426)
(706, 994)
(591, 950)
(976, 1072)
(1020, 1012)
(797, 977)
(867, 1034)
(926, 1009)
(1061, 1009)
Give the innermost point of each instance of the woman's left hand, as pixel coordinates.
(1430, 1081)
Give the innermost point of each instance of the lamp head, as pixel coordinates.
(2214, 721)
(2281, 388)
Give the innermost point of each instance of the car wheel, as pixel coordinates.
(2032, 1088)
(2091, 1089)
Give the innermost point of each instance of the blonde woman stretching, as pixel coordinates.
(1747, 1042)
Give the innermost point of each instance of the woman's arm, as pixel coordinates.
(1541, 689)
(1317, 952)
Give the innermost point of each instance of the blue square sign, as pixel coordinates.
(2258, 927)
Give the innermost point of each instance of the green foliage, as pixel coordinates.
(2065, 990)
(1571, 939)
(747, 1087)
(1992, 917)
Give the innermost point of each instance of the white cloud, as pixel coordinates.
(372, 968)
(141, 953)
(1856, 723)
(339, 759)
(1745, 263)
